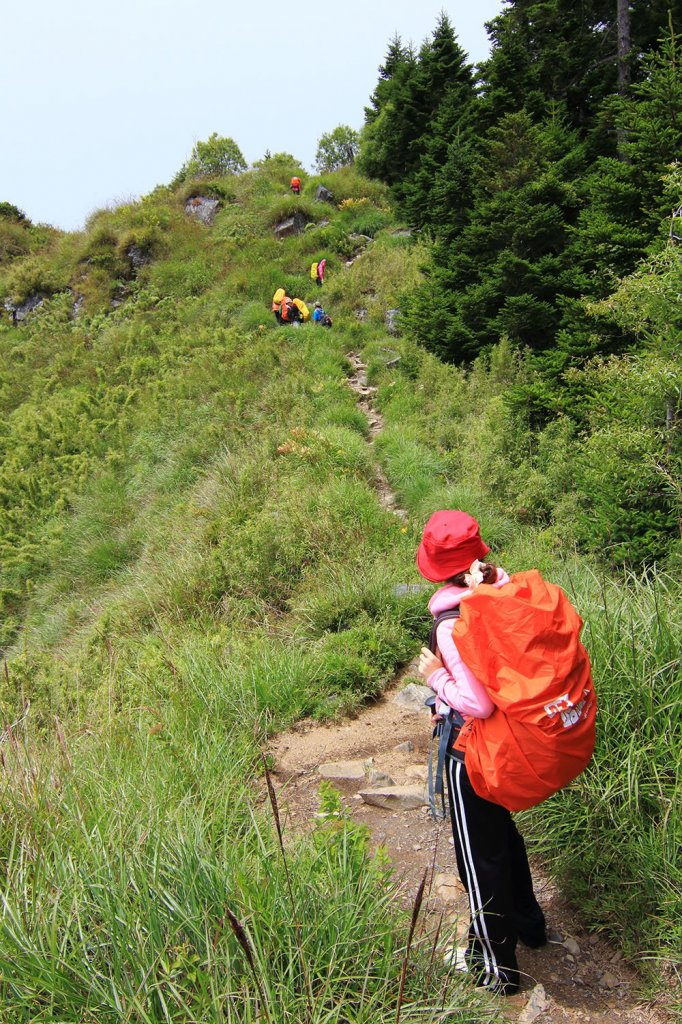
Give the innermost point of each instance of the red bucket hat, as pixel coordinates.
(450, 543)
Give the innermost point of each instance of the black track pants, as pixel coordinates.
(493, 867)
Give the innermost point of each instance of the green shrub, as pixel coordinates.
(34, 275)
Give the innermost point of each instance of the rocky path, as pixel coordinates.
(358, 381)
(378, 763)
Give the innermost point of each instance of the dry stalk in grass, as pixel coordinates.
(297, 927)
(243, 940)
(415, 914)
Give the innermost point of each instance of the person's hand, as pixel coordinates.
(428, 662)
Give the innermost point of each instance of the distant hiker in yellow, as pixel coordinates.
(303, 309)
(317, 272)
(277, 299)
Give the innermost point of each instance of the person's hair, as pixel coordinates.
(489, 575)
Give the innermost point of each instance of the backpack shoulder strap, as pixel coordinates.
(449, 613)
(450, 725)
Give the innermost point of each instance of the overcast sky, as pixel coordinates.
(103, 101)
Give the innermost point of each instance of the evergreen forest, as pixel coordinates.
(194, 555)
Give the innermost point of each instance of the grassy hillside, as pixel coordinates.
(193, 554)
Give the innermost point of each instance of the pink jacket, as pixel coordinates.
(455, 684)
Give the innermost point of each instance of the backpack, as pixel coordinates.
(277, 298)
(313, 271)
(303, 309)
(326, 320)
(522, 641)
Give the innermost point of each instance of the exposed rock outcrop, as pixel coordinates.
(292, 225)
(323, 195)
(137, 258)
(21, 311)
(202, 208)
(392, 321)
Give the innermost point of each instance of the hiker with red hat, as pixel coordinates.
(491, 855)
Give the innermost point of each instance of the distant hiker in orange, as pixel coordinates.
(491, 855)
(288, 314)
(296, 185)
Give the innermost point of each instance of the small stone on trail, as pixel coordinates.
(403, 798)
(608, 980)
(378, 778)
(348, 770)
(572, 946)
(405, 748)
(537, 1004)
(448, 887)
(413, 696)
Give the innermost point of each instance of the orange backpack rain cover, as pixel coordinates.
(522, 641)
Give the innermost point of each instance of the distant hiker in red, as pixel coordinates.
(491, 856)
(321, 268)
(296, 186)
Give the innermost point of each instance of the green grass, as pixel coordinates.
(125, 851)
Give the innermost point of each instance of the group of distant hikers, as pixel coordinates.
(295, 311)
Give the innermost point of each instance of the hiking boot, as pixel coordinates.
(457, 958)
(534, 940)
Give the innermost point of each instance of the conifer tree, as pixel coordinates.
(391, 120)
(624, 204)
(502, 273)
(546, 52)
(421, 105)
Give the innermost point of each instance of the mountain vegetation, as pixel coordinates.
(194, 554)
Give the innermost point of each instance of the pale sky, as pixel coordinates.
(102, 101)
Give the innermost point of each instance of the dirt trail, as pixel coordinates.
(584, 978)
